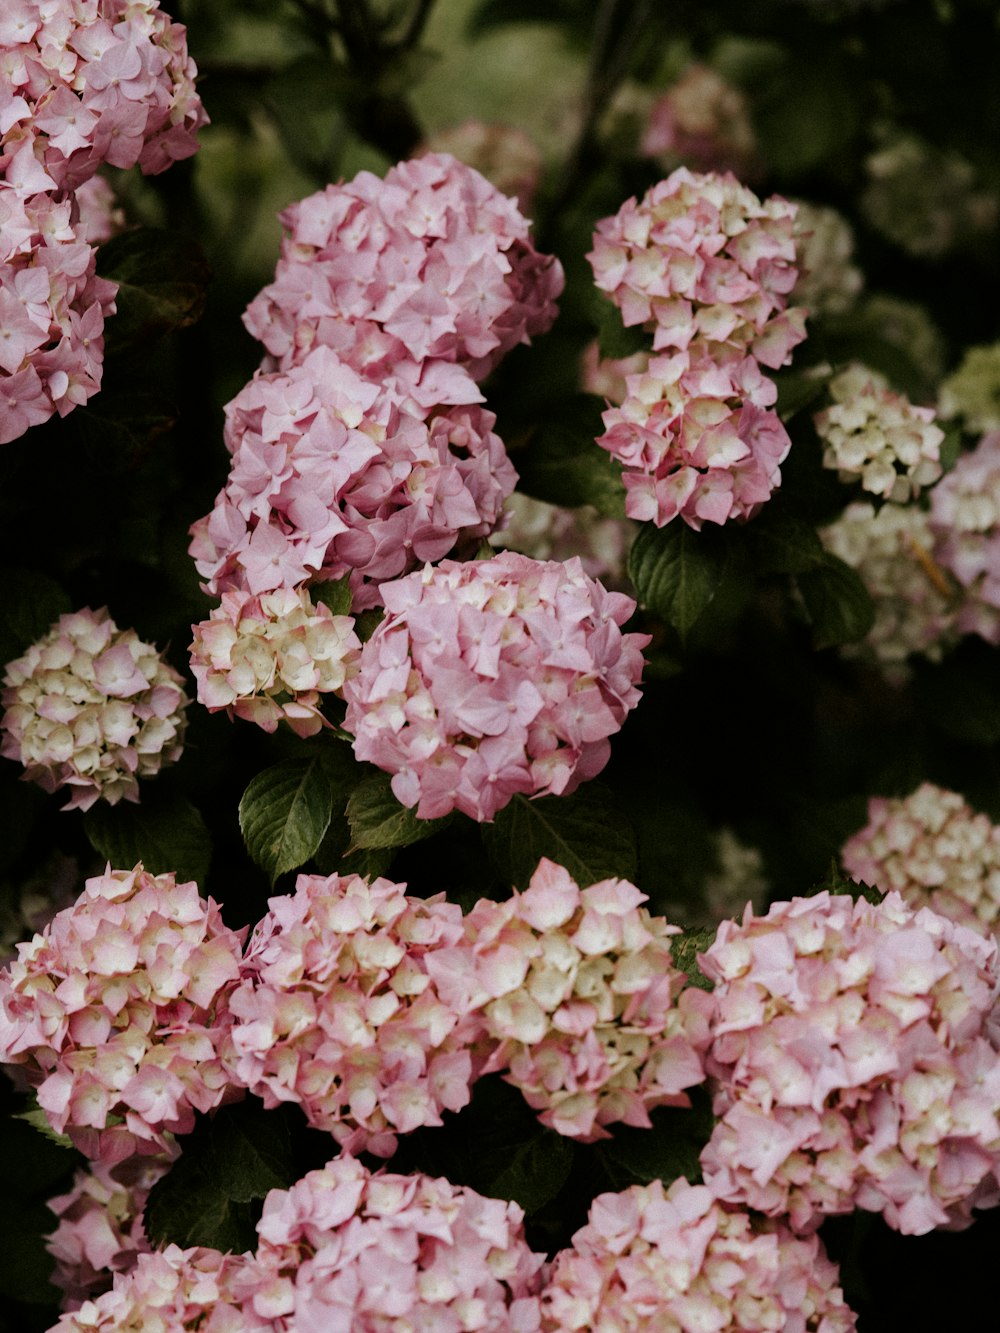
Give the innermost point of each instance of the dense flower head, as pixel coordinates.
(346, 1250)
(271, 657)
(100, 1230)
(578, 991)
(972, 392)
(965, 521)
(337, 1011)
(427, 275)
(677, 1259)
(169, 1291)
(332, 476)
(116, 1012)
(545, 531)
(52, 311)
(490, 678)
(508, 157)
(829, 281)
(92, 708)
(853, 1064)
(85, 82)
(934, 849)
(879, 437)
(703, 122)
(892, 548)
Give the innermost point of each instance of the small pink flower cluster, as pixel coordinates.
(100, 1229)
(490, 678)
(116, 1012)
(346, 1250)
(677, 1259)
(549, 532)
(427, 278)
(331, 476)
(577, 990)
(81, 83)
(169, 1291)
(853, 1064)
(708, 268)
(93, 708)
(935, 850)
(702, 121)
(52, 311)
(965, 520)
(337, 1011)
(271, 657)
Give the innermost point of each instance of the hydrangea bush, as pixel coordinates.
(498, 749)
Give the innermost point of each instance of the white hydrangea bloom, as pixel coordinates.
(972, 392)
(829, 282)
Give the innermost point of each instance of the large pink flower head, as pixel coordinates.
(337, 1011)
(271, 657)
(346, 1250)
(934, 849)
(965, 520)
(579, 992)
(332, 476)
(92, 708)
(52, 312)
(428, 273)
(84, 82)
(100, 1229)
(853, 1064)
(677, 1259)
(490, 678)
(116, 1012)
(170, 1291)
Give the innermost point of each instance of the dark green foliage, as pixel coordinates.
(165, 832)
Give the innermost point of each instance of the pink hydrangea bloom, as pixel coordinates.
(116, 1012)
(92, 708)
(427, 276)
(271, 657)
(707, 268)
(170, 1291)
(100, 1229)
(490, 678)
(332, 476)
(677, 1259)
(702, 121)
(934, 849)
(578, 990)
(52, 312)
(508, 157)
(853, 1064)
(337, 1011)
(965, 520)
(346, 1250)
(90, 81)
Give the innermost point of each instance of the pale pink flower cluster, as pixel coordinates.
(337, 1011)
(346, 1250)
(100, 1229)
(703, 122)
(707, 267)
(490, 678)
(116, 1012)
(508, 157)
(332, 476)
(92, 708)
(549, 532)
(965, 520)
(651, 1258)
(879, 437)
(853, 1064)
(934, 849)
(169, 1291)
(606, 376)
(578, 992)
(829, 280)
(272, 656)
(426, 278)
(52, 311)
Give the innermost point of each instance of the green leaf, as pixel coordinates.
(837, 602)
(677, 572)
(667, 1151)
(37, 1119)
(562, 464)
(162, 279)
(335, 594)
(305, 99)
(587, 832)
(285, 812)
(229, 1162)
(535, 1171)
(378, 820)
(685, 949)
(614, 339)
(782, 543)
(118, 421)
(31, 605)
(164, 831)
